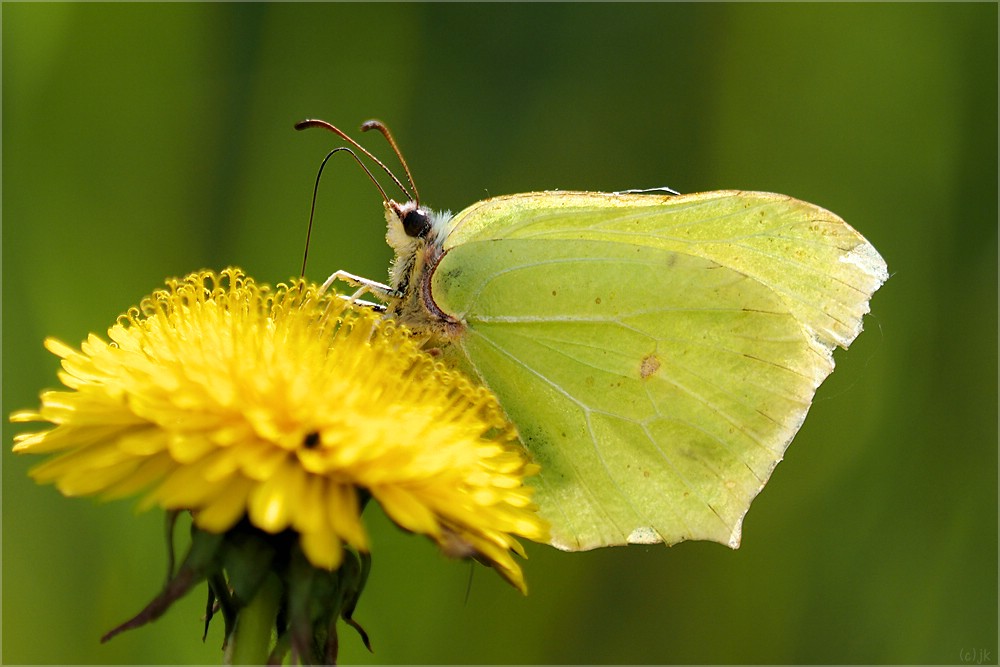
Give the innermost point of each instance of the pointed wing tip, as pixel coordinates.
(865, 257)
(736, 536)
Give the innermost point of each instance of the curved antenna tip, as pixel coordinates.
(374, 124)
(307, 123)
(312, 122)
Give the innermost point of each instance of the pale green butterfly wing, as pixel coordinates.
(656, 353)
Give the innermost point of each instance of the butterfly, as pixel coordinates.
(656, 351)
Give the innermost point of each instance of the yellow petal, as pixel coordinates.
(272, 502)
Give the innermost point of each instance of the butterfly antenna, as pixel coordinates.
(312, 122)
(381, 127)
(312, 208)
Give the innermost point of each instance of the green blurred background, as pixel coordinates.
(145, 141)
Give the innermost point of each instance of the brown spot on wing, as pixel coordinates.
(648, 366)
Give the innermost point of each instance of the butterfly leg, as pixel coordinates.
(365, 286)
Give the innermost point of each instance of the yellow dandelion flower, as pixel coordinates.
(288, 408)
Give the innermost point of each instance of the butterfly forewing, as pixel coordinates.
(656, 353)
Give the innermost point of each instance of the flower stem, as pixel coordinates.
(250, 643)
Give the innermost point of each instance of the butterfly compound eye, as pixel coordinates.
(415, 220)
(416, 223)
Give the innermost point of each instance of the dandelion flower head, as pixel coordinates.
(289, 407)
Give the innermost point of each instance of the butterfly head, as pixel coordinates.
(407, 226)
(411, 226)
(414, 220)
